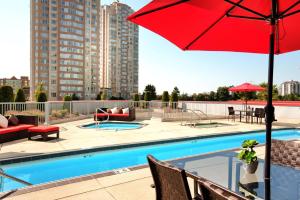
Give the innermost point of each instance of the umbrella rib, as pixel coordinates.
(211, 26)
(245, 17)
(159, 8)
(291, 13)
(247, 9)
(288, 9)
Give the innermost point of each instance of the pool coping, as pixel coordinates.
(66, 181)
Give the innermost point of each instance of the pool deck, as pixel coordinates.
(115, 187)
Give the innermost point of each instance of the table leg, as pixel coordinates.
(240, 116)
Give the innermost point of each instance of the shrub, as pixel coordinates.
(20, 97)
(6, 94)
(98, 97)
(42, 97)
(74, 97)
(67, 98)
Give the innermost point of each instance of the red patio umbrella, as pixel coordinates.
(246, 87)
(255, 26)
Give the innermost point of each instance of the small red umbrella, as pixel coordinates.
(255, 26)
(246, 87)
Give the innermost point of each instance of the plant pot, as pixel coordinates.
(250, 168)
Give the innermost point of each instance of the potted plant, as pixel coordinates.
(248, 156)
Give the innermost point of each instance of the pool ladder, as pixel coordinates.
(98, 122)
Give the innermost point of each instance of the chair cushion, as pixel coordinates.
(125, 111)
(13, 120)
(24, 126)
(119, 115)
(115, 110)
(3, 122)
(43, 129)
(101, 114)
(10, 129)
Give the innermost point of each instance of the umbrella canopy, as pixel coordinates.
(246, 87)
(255, 26)
(222, 25)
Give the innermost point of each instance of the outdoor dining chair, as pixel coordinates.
(231, 113)
(259, 113)
(171, 184)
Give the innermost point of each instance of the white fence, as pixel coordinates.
(60, 111)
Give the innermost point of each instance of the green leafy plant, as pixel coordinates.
(247, 154)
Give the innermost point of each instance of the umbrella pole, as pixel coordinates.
(269, 109)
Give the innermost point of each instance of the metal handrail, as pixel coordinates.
(98, 122)
(200, 117)
(14, 178)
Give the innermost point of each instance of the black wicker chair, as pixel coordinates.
(285, 153)
(171, 184)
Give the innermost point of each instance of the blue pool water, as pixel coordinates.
(114, 125)
(42, 171)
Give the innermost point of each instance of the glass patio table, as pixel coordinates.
(226, 170)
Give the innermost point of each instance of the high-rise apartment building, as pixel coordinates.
(65, 47)
(289, 87)
(118, 51)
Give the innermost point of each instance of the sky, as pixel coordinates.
(160, 62)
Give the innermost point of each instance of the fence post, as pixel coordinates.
(70, 108)
(47, 111)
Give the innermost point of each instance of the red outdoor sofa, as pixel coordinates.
(100, 115)
(19, 131)
(27, 128)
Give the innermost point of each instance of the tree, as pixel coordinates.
(212, 96)
(184, 97)
(136, 97)
(152, 91)
(147, 96)
(98, 97)
(165, 97)
(176, 90)
(223, 94)
(174, 97)
(39, 89)
(263, 95)
(74, 97)
(103, 96)
(6, 94)
(20, 97)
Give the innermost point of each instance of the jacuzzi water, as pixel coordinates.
(113, 125)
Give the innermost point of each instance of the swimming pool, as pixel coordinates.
(46, 170)
(113, 126)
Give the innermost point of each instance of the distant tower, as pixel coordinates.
(65, 47)
(118, 51)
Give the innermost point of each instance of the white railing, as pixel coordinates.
(61, 111)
